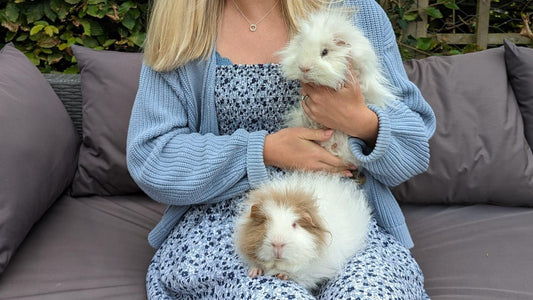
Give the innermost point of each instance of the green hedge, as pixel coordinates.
(45, 29)
(453, 16)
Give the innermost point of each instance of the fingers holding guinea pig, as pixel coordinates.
(349, 89)
(336, 109)
(298, 148)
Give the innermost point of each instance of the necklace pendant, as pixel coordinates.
(253, 27)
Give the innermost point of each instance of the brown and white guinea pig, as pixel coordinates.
(303, 227)
(321, 52)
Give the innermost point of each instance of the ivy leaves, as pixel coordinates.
(45, 29)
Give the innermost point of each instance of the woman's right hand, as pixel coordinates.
(295, 148)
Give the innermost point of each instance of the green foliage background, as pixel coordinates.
(45, 29)
(454, 16)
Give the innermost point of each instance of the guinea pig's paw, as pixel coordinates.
(282, 276)
(255, 272)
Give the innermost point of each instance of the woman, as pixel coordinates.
(205, 128)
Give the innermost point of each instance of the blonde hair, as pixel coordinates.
(183, 30)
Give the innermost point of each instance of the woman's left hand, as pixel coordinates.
(343, 109)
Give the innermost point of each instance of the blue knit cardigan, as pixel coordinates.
(177, 157)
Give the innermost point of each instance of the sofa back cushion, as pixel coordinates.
(38, 152)
(519, 63)
(479, 153)
(109, 82)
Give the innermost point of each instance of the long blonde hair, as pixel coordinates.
(183, 30)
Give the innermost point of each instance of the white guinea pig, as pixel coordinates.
(321, 52)
(303, 227)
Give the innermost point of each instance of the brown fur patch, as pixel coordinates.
(254, 229)
(302, 203)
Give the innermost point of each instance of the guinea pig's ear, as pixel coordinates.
(257, 198)
(254, 210)
(340, 40)
(309, 219)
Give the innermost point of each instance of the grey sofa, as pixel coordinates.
(470, 214)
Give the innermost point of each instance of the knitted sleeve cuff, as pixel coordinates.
(362, 151)
(255, 165)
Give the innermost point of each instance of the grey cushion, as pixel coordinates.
(109, 82)
(38, 150)
(473, 252)
(479, 153)
(519, 62)
(85, 248)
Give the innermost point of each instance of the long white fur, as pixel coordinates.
(345, 212)
(346, 46)
(342, 204)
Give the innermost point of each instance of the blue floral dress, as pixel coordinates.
(198, 258)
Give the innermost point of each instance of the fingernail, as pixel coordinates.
(347, 174)
(328, 132)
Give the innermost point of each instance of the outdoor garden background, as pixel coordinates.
(45, 29)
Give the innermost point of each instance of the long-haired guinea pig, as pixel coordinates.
(303, 227)
(326, 45)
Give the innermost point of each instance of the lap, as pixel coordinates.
(384, 270)
(198, 261)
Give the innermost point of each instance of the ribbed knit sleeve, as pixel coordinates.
(402, 147)
(171, 161)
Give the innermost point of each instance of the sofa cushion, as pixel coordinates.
(519, 62)
(38, 149)
(85, 248)
(473, 252)
(479, 153)
(109, 82)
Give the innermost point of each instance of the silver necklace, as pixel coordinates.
(253, 26)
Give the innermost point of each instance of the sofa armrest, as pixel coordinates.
(68, 88)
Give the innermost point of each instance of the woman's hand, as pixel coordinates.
(343, 109)
(296, 148)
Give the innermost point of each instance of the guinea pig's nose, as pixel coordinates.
(278, 245)
(278, 249)
(304, 69)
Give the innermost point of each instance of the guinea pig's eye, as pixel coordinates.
(294, 225)
(324, 52)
